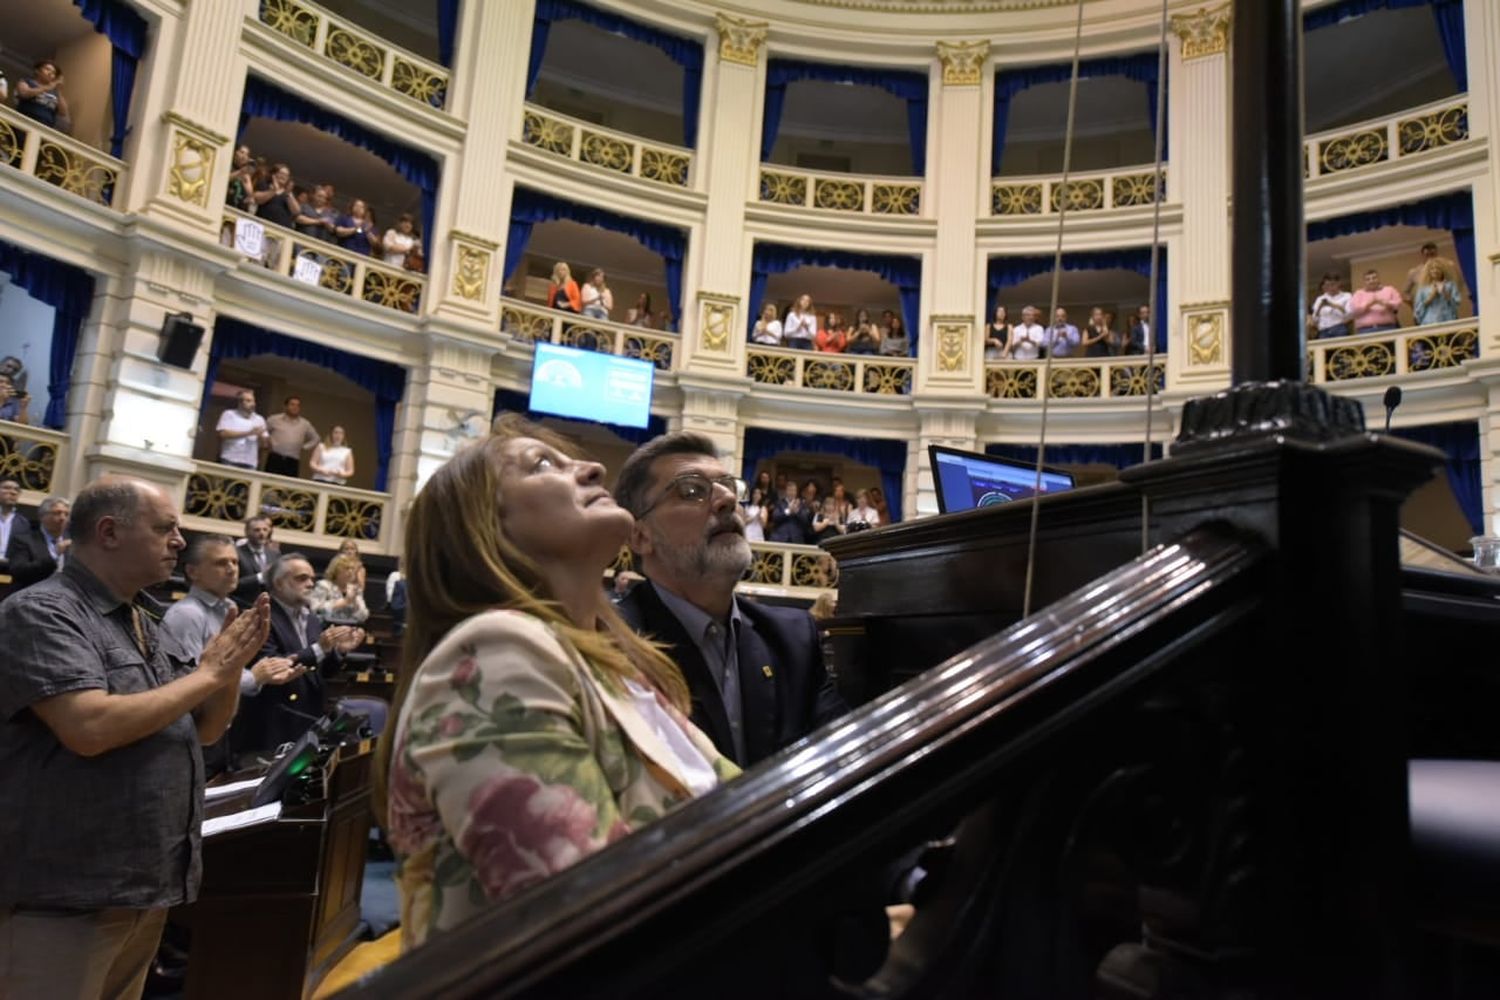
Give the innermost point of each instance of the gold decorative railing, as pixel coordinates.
(1097, 191)
(1407, 351)
(344, 42)
(859, 373)
(832, 192)
(311, 511)
(793, 570)
(326, 265)
(1073, 378)
(601, 147)
(1380, 140)
(48, 155)
(530, 323)
(31, 455)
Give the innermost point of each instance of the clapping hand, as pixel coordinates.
(342, 638)
(274, 670)
(242, 636)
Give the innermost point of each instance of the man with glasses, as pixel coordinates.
(755, 671)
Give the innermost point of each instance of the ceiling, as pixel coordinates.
(49, 25)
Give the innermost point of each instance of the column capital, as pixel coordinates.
(1204, 32)
(962, 62)
(740, 40)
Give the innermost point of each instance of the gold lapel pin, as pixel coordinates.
(767, 671)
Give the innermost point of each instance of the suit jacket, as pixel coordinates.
(786, 526)
(19, 525)
(30, 561)
(279, 713)
(249, 588)
(778, 706)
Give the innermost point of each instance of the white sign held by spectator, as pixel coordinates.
(249, 237)
(309, 270)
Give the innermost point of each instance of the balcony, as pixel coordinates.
(322, 265)
(1074, 378)
(1407, 351)
(1381, 140)
(835, 192)
(31, 456)
(789, 570)
(528, 324)
(605, 148)
(868, 374)
(1096, 191)
(303, 510)
(48, 155)
(345, 43)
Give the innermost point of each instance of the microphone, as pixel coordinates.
(1392, 400)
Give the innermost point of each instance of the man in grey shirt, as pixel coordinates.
(291, 435)
(101, 720)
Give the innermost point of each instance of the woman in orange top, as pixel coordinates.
(834, 337)
(563, 293)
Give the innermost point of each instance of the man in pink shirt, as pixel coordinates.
(1373, 307)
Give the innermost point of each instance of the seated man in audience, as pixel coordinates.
(1374, 308)
(101, 720)
(291, 434)
(42, 551)
(242, 433)
(256, 554)
(1063, 338)
(1027, 339)
(755, 671)
(12, 522)
(280, 714)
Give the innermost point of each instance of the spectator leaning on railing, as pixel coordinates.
(1374, 307)
(1436, 298)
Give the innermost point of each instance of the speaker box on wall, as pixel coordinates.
(180, 338)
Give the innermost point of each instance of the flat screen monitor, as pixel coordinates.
(586, 385)
(967, 479)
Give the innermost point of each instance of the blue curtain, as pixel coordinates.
(1460, 442)
(1005, 272)
(263, 100)
(1121, 456)
(1453, 212)
(70, 292)
(519, 402)
(762, 444)
(234, 338)
(447, 25)
(903, 272)
(1449, 15)
(529, 207)
(126, 31)
(910, 87)
(685, 52)
(1141, 68)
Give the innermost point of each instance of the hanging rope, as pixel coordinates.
(1155, 306)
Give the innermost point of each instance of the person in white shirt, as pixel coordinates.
(768, 327)
(863, 513)
(399, 241)
(1028, 338)
(333, 460)
(801, 324)
(242, 433)
(598, 300)
(1329, 313)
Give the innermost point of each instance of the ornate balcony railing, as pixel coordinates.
(1407, 351)
(1073, 378)
(1380, 140)
(1095, 191)
(48, 155)
(529, 323)
(798, 570)
(351, 46)
(304, 508)
(856, 373)
(606, 148)
(324, 265)
(833, 192)
(31, 455)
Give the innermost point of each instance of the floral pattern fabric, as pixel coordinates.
(514, 759)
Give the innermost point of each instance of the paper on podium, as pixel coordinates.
(247, 817)
(214, 793)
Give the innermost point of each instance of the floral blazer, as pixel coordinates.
(514, 758)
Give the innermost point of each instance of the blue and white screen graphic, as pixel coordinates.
(585, 385)
(973, 481)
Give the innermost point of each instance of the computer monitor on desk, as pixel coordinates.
(967, 479)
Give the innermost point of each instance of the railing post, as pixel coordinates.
(636, 151)
(1403, 353)
(320, 33)
(30, 151)
(320, 513)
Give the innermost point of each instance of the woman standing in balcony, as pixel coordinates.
(563, 292)
(755, 514)
(864, 515)
(598, 300)
(997, 335)
(1096, 335)
(241, 194)
(768, 328)
(39, 97)
(895, 344)
(333, 460)
(274, 200)
(1436, 297)
(356, 230)
(834, 337)
(640, 313)
(399, 240)
(865, 337)
(801, 324)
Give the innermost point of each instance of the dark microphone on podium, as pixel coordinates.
(1392, 400)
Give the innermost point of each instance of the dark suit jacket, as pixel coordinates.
(789, 527)
(249, 588)
(271, 718)
(778, 708)
(19, 525)
(30, 562)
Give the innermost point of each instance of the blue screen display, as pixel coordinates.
(585, 385)
(969, 482)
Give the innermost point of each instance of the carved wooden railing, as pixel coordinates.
(1090, 191)
(836, 192)
(326, 265)
(308, 510)
(1380, 140)
(1073, 378)
(1410, 350)
(606, 148)
(31, 456)
(347, 44)
(530, 323)
(48, 155)
(859, 373)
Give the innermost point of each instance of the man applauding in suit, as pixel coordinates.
(279, 714)
(256, 552)
(755, 671)
(40, 552)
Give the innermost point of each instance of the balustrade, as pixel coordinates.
(1096, 191)
(1380, 140)
(856, 373)
(529, 323)
(606, 148)
(835, 192)
(31, 455)
(1407, 351)
(49, 155)
(1074, 378)
(219, 495)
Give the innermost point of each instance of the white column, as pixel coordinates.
(954, 426)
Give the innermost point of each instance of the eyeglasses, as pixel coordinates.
(695, 488)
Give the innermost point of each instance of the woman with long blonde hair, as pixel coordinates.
(530, 726)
